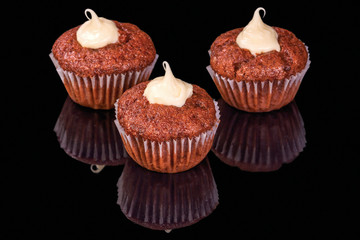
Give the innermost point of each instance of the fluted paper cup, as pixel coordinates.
(167, 201)
(256, 95)
(100, 92)
(171, 156)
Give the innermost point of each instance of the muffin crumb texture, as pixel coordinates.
(133, 51)
(233, 62)
(158, 122)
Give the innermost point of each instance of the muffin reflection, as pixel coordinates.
(259, 142)
(162, 201)
(89, 136)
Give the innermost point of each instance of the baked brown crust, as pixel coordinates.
(159, 122)
(133, 51)
(233, 62)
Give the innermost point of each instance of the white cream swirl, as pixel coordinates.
(168, 90)
(97, 32)
(257, 36)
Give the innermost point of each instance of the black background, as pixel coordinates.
(45, 193)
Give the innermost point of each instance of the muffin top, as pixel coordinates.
(158, 122)
(231, 61)
(133, 51)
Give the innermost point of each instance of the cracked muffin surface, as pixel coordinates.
(233, 62)
(133, 51)
(159, 122)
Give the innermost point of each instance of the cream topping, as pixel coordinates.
(168, 90)
(257, 36)
(97, 32)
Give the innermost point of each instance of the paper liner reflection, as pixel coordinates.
(90, 136)
(259, 142)
(163, 201)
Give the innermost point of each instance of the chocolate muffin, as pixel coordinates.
(96, 76)
(167, 138)
(233, 62)
(258, 82)
(158, 122)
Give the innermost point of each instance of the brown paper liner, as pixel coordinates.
(89, 136)
(100, 92)
(167, 201)
(176, 155)
(259, 142)
(258, 96)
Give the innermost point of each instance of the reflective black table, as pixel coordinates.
(291, 173)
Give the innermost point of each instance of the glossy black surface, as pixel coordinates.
(48, 189)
